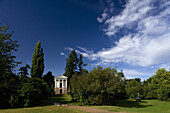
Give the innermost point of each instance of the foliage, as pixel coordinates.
(100, 86)
(30, 92)
(8, 86)
(80, 65)
(8, 80)
(71, 64)
(158, 86)
(7, 48)
(37, 67)
(49, 78)
(74, 65)
(24, 70)
(133, 88)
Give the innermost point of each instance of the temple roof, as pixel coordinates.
(61, 77)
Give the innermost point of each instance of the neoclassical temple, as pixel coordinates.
(60, 86)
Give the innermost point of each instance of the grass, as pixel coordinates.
(145, 106)
(43, 109)
(64, 99)
(46, 108)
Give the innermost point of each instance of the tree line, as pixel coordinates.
(103, 86)
(19, 90)
(100, 86)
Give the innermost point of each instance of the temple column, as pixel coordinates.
(55, 82)
(66, 83)
(62, 83)
(58, 83)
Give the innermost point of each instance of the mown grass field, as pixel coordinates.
(129, 106)
(145, 106)
(42, 109)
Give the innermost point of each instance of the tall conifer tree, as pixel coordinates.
(37, 67)
(80, 64)
(71, 64)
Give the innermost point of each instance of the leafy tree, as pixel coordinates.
(7, 48)
(8, 80)
(24, 70)
(49, 78)
(133, 88)
(120, 74)
(158, 86)
(30, 92)
(80, 65)
(37, 67)
(99, 86)
(71, 64)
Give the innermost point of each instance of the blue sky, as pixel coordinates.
(131, 34)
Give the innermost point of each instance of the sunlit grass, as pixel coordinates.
(131, 106)
(145, 106)
(43, 109)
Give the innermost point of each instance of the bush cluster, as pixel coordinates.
(98, 87)
(23, 92)
(30, 92)
(156, 87)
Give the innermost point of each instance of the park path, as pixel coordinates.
(91, 110)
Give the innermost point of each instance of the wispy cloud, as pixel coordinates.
(63, 54)
(130, 74)
(147, 41)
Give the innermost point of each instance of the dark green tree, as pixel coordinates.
(8, 80)
(80, 66)
(24, 70)
(30, 92)
(49, 78)
(133, 88)
(7, 48)
(37, 67)
(100, 86)
(71, 65)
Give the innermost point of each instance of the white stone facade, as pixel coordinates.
(60, 84)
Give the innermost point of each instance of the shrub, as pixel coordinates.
(100, 86)
(133, 88)
(30, 92)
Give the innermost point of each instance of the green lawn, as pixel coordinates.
(145, 106)
(64, 99)
(43, 109)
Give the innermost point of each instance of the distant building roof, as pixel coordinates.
(60, 77)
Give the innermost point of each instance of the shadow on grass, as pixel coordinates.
(63, 99)
(131, 103)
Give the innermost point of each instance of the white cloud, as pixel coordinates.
(62, 53)
(69, 48)
(134, 11)
(131, 74)
(166, 66)
(147, 42)
(102, 18)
